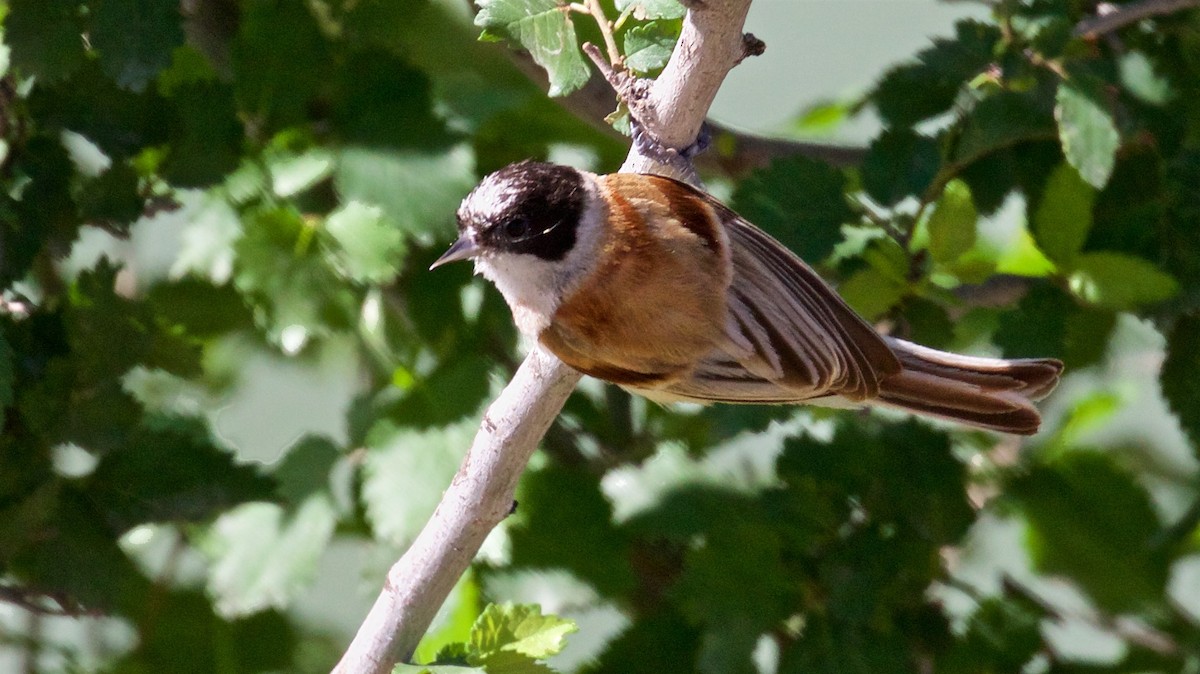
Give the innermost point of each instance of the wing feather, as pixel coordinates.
(806, 341)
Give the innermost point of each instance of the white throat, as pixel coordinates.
(534, 287)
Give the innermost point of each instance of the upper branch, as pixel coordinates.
(1110, 17)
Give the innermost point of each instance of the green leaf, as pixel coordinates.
(304, 470)
(405, 473)
(1064, 215)
(263, 556)
(180, 475)
(388, 179)
(1002, 121)
(519, 628)
(1118, 281)
(135, 39)
(799, 201)
(1087, 131)
(1048, 323)
(364, 246)
(545, 29)
(7, 376)
(899, 164)
(652, 9)
(46, 37)
(596, 553)
(280, 60)
(910, 93)
(649, 46)
(952, 223)
(1092, 522)
(1180, 376)
(872, 293)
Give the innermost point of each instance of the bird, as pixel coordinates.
(653, 285)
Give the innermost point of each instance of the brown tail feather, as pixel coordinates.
(985, 392)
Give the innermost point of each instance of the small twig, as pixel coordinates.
(1110, 17)
(1133, 631)
(606, 30)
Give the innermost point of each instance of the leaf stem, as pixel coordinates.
(606, 30)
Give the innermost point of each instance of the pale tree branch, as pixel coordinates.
(480, 496)
(1111, 17)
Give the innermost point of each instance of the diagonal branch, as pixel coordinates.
(1111, 17)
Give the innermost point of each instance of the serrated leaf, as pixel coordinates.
(519, 628)
(652, 9)
(913, 92)
(280, 59)
(135, 39)
(180, 474)
(952, 223)
(405, 473)
(263, 556)
(1180, 376)
(1091, 521)
(364, 246)
(418, 191)
(899, 164)
(1064, 215)
(46, 37)
(1118, 281)
(799, 201)
(545, 29)
(648, 47)
(1088, 134)
(1001, 121)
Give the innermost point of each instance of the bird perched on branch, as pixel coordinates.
(652, 285)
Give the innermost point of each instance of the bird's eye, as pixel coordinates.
(516, 228)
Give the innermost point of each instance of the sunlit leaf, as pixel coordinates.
(952, 223)
(546, 30)
(1118, 281)
(648, 46)
(1064, 214)
(1087, 131)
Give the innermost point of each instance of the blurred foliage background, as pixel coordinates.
(231, 393)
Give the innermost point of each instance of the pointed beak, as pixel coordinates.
(463, 249)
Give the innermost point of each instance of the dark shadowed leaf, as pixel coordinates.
(799, 201)
(1090, 521)
(595, 552)
(46, 36)
(899, 164)
(913, 92)
(135, 38)
(181, 475)
(1180, 377)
